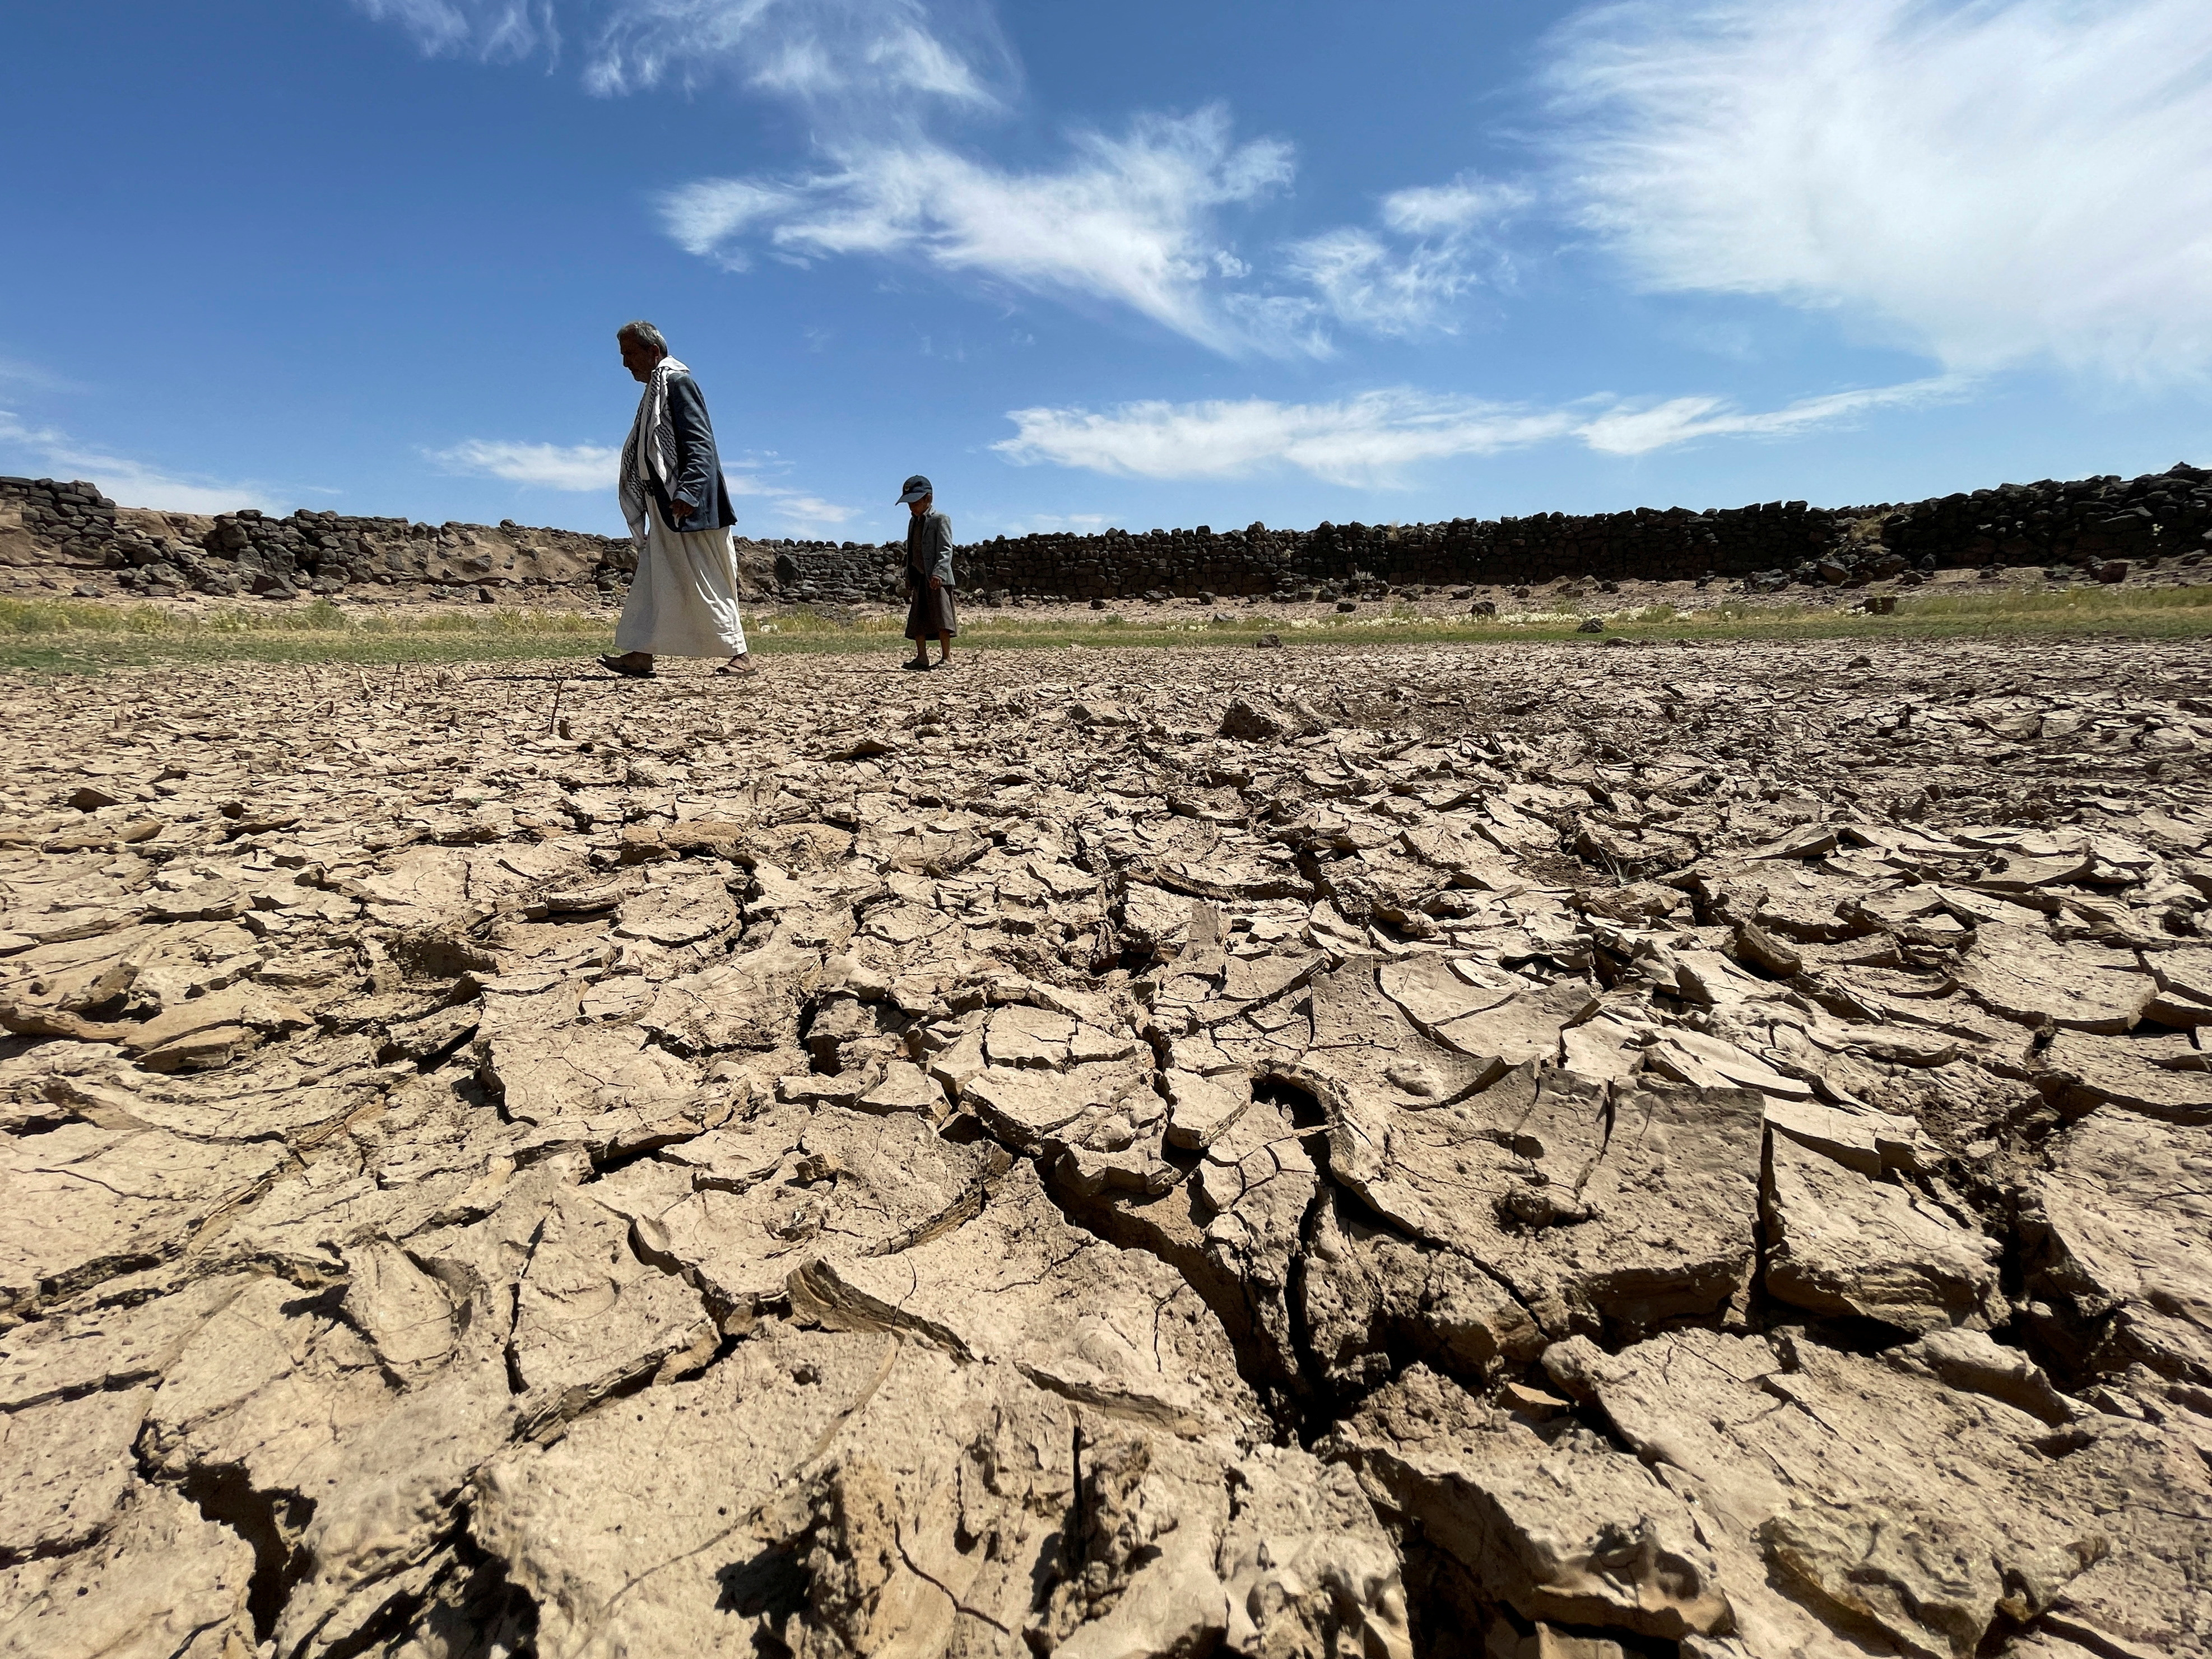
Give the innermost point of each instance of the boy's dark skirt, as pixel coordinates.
(929, 614)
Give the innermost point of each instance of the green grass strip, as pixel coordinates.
(78, 636)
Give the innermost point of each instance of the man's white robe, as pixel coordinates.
(684, 601)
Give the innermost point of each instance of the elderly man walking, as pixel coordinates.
(684, 600)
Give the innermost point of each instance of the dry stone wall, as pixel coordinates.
(2089, 525)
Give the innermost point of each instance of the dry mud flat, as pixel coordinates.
(1533, 1152)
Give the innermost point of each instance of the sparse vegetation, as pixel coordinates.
(69, 635)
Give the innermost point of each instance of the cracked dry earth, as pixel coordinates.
(1516, 1152)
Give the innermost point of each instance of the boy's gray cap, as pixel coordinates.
(914, 489)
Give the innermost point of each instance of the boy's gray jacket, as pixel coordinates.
(929, 549)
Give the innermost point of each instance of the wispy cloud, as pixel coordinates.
(1989, 181)
(583, 468)
(1041, 523)
(708, 216)
(1375, 438)
(1129, 220)
(1628, 429)
(1361, 440)
(34, 377)
(497, 31)
(132, 483)
(577, 467)
(1993, 183)
(1438, 242)
(817, 50)
(1467, 202)
(820, 50)
(796, 509)
(1134, 221)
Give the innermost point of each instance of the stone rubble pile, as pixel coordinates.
(1319, 1153)
(73, 530)
(2099, 528)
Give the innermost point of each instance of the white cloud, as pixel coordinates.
(1628, 430)
(1372, 439)
(1360, 440)
(708, 217)
(1372, 286)
(581, 468)
(33, 377)
(1283, 324)
(1460, 206)
(851, 50)
(815, 50)
(1129, 220)
(133, 483)
(1043, 523)
(1366, 283)
(130, 482)
(494, 30)
(578, 467)
(794, 508)
(1992, 183)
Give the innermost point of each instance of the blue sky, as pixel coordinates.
(1141, 264)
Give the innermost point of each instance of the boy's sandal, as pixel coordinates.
(743, 666)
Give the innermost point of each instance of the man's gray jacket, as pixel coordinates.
(699, 483)
(929, 549)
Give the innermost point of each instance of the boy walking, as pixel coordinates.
(929, 585)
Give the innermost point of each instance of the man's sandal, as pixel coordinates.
(620, 666)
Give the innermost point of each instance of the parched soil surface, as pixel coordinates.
(1524, 1152)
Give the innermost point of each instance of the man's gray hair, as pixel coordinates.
(646, 331)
